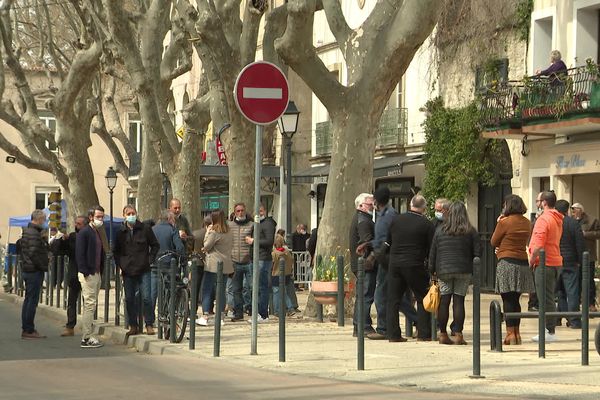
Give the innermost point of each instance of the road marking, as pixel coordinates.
(262, 93)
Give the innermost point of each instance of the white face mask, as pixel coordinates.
(439, 215)
(97, 223)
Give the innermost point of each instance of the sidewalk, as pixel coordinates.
(326, 350)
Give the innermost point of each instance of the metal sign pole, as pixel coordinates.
(256, 236)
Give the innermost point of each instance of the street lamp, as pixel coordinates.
(165, 185)
(288, 125)
(111, 183)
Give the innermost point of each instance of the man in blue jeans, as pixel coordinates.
(266, 237)
(35, 263)
(241, 228)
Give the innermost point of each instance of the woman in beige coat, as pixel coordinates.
(218, 243)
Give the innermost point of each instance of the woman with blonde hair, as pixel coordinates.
(218, 243)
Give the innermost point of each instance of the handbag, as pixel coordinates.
(431, 301)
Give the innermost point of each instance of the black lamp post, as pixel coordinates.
(288, 125)
(165, 185)
(111, 183)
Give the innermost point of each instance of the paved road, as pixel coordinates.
(57, 368)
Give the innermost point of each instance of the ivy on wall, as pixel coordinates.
(523, 18)
(456, 155)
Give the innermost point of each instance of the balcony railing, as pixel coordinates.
(512, 103)
(392, 131)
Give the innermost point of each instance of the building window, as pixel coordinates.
(50, 123)
(135, 134)
(542, 42)
(42, 195)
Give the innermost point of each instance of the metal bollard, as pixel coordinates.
(220, 294)
(585, 310)
(340, 293)
(67, 281)
(434, 327)
(360, 299)
(160, 304)
(59, 278)
(118, 296)
(194, 305)
(172, 322)
(476, 319)
(282, 309)
(10, 273)
(495, 326)
(49, 282)
(19, 276)
(106, 278)
(542, 306)
(319, 312)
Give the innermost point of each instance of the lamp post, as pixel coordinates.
(165, 185)
(288, 125)
(111, 183)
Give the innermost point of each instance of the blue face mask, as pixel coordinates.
(131, 219)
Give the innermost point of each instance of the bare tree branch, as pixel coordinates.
(338, 25)
(249, 36)
(51, 49)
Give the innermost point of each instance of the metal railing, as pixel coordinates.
(303, 269)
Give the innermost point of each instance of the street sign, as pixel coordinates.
(261, 92)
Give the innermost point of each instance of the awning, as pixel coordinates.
(382, 167)
(268, 171)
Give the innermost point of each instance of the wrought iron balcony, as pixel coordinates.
(392, 131)
(512, 104)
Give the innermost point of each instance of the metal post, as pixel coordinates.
(220, 294)
(67, 280)
(118, 296)
(476, 319)
(140, 316)
(360, 299)
(319, 305)
(288, 186)
(340, 293)
(160, 323)
(282, 309)
(108, 266)
(11, 271)
(256, 269)
(585, 310)
(172, 322)
(542, 306)
(434, 327)
(495, 326)
(194, 305)
(50, 285)
(59, 277)
(18, 275)
(165, 191)
(106, 278)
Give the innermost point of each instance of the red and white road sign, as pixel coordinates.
(261, 92)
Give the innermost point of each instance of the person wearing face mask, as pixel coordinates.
(441, 207)
(241, 228)
(135, 248)
(91, 247)
(362, 230)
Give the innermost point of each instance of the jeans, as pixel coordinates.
(288, 302)
(209, 289)
(264, 275)
(569, 292)
(90, 286)
(548, 296)
(33, 285)
(73, 296)
(369, 291)
(133, 285)
(290, 291)
(242, 288)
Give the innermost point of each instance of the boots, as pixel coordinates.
(517, 335)
(133, 330)
(444, 339)
(68, 332)
(459, 339)
(511, 337)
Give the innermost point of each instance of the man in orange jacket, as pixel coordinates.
(546, 235)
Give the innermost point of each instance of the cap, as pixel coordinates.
(382, 195)
(578, 205)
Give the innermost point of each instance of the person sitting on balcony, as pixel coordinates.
(555, 71)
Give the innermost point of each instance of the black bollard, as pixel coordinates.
(360, 300)
(59, 276)
(476, 319)
(585, 310)
(282, 309)
(106, 278)
(319, 305)
(220, 295)
(172, 321)
(18, 276)
(160, 303)
(434, 327)
(118, 296)
(542, 306)
(67, 281)
(50, 282)
(194, 305)
(340, 293)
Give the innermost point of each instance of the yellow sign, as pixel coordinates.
(180, 132)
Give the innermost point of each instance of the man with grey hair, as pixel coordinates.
(362, 230)
(410, 238)
(441, 207)
(34, 264)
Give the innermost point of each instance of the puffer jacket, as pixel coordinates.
(453, 254)
(241, 251)
(34, 249)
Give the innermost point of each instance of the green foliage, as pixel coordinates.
(523, 19)
(326, 267)
(456, 155)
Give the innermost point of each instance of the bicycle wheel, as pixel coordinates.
(182, 312)
(597, 339)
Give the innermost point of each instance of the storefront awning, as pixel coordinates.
(382, 167)
(268, 171)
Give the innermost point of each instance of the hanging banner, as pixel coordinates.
(221, 151)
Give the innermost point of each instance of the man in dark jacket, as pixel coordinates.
(591, 232)
(34, 263)
(572, 246)
(134, 249)
(91, 247)
(362, 230)
(410, 239)
(67, 245)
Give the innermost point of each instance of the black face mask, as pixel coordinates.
(76, 230)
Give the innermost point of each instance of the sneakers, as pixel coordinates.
(68, 332)
(202, 321)
(32, 335)
(550, 337)
(259, 320)
(91, 343)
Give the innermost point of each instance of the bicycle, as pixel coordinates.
(182, 297)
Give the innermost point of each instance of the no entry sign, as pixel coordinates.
(261, 92)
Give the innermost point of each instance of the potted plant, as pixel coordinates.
(325, 283)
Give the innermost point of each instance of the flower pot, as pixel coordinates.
(326, 292)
